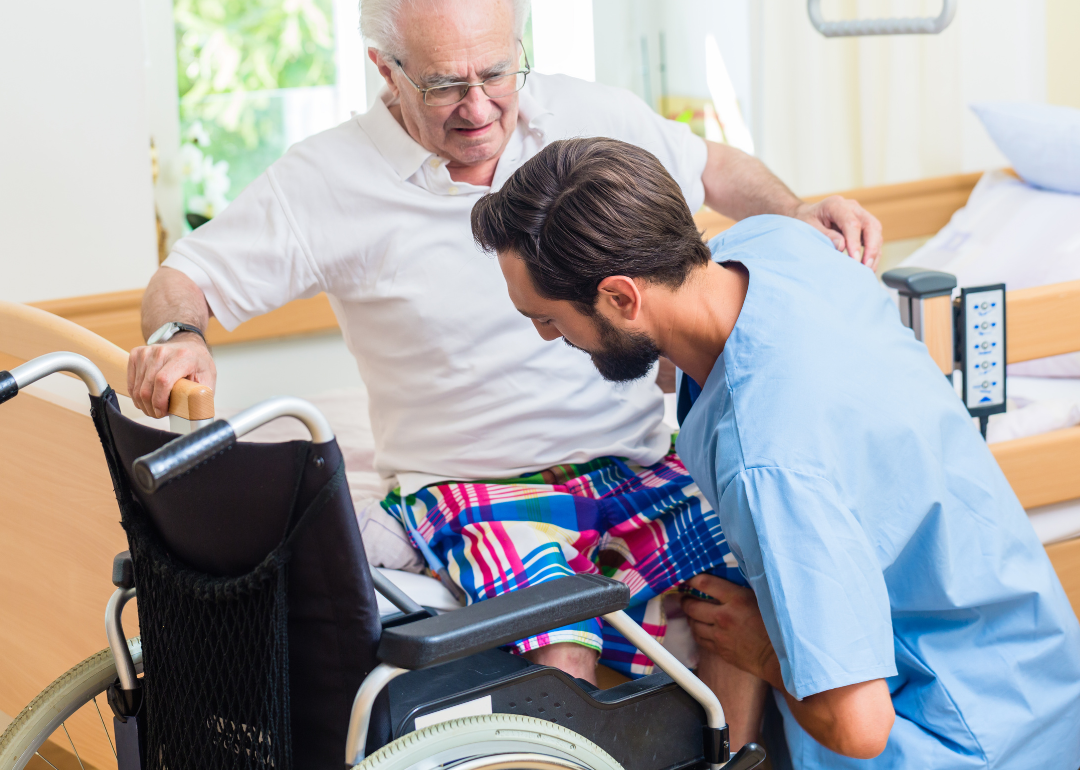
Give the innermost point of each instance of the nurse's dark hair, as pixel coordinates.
(584, 209)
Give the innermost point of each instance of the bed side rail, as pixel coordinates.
(1043, 321)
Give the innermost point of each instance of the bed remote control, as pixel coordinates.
(982, 349)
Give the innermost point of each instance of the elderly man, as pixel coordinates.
(376, 213)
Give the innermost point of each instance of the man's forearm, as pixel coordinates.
(854, 721)
(172, 296)
(738, 185)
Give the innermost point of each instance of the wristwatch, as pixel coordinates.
(171, 329)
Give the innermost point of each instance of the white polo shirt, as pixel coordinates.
(461, 385)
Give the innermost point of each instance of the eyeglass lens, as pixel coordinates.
(496, 88)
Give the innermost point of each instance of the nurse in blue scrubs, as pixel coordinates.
(899, 602)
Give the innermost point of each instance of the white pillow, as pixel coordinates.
(1041, 141)
(1011, 233)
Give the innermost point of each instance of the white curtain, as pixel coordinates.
(833, 114)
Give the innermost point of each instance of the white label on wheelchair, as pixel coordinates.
(473, 708)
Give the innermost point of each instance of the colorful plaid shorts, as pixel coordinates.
(649, 527)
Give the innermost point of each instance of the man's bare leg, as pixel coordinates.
(741, 694)
(577, 660)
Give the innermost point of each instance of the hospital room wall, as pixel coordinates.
(657, 48)
(81, 82)
(76, 203)
(1063, 52)
(835, 114)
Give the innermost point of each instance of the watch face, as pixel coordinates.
(164, 334)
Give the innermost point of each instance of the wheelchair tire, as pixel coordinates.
(57, 702)
(492, 741)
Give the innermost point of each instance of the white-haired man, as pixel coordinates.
(376, 213)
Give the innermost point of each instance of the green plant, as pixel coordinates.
(232, 56)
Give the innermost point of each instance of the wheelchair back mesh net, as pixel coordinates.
(258, 616)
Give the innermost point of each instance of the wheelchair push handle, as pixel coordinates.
(153, 470)
(50, 363)
(180, 455)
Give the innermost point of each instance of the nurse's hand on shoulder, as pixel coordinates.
(848, 225)
(854, 720)
(154, 369)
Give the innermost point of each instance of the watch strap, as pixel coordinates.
(171, 329)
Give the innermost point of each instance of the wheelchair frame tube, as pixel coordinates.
(114, 630)
(671, 666)
(392, 593)
(51, 363)
(283, 406)
(363, 703)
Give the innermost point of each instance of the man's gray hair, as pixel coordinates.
(378, 22)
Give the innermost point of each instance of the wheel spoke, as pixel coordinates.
(47, 762)
(103, 727)
(64, 725)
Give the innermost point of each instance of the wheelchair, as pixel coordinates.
(262, 645)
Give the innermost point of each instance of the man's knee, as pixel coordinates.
(577, 660)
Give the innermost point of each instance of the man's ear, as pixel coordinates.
(622, 295)
(384, 68)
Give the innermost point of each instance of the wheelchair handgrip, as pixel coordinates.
(154, 470)
(9, 387)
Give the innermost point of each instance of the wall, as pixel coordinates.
(76, 205)
(163, 114)
(842, 113)
(1063, 52)
(562, 32)
(627, 45)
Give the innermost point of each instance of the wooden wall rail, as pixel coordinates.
(115, 317)
(908, 210)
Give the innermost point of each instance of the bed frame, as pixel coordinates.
(58, 519)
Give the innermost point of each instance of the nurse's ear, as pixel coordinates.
(619, 297)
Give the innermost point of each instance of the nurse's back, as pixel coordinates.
(880, 536)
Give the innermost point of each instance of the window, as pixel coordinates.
(254, 77)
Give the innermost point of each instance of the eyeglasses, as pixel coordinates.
(496, 87)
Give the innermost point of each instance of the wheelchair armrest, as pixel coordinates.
(501, 620)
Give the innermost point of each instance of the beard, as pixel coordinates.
(623, 356)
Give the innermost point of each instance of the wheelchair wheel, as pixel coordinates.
(69, 722)
(491, 742)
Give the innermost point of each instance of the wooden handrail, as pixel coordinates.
(28, 332)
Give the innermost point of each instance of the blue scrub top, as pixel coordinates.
(875, 527)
